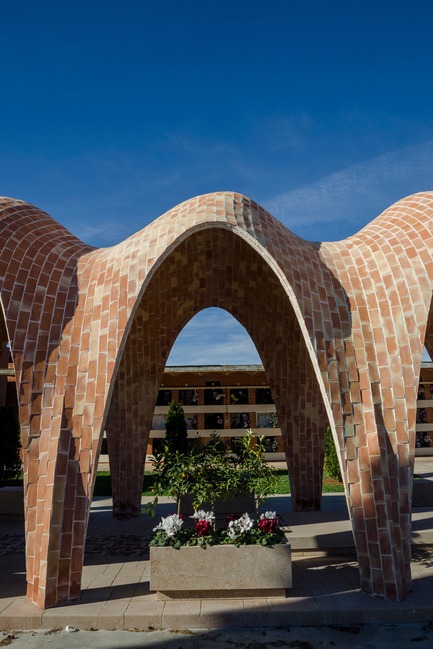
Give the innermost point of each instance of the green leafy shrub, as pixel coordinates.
(211, 473)
(255, 475)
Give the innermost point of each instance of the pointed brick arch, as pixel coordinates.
(216, 267)
(348, 321)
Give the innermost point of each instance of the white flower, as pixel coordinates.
(231, 531)
(270, 515)
(245, 523)
(239, 526)
(201, 515)
(171, 525)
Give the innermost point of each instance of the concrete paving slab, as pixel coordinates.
(112, 613)
(21, 614)
(82, 614)
(182, 615)
(217, 613)
(256, 612)
(143, 616)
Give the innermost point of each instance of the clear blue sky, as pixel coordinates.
(112, 112)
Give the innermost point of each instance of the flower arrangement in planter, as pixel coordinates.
(242, 530)
(248, 558)
(249, 555)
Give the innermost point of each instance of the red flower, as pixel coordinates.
(230, 518)
(203, 527)
(267, 525)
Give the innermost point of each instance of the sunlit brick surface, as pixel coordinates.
(339, 327)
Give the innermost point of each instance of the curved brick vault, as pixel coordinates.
(339, 327)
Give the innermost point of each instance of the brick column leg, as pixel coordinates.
(126, 448)
(306, 464)
(304, 421)
(130, 419)
(58, 522)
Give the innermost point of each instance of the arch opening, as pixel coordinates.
(424, 405)
(213, 337)
(215, 372)
(216, 268)
(12, 500)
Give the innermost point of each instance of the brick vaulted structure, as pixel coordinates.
(340, 329)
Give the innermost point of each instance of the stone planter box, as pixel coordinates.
(221, 571)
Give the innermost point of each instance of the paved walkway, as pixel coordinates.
(116, 593)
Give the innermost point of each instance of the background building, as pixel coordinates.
(228, 399)
(424, 416)
(223, 399)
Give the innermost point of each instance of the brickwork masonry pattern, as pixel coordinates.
(339, 326)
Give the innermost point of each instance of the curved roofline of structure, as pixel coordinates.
(418, 198)
(7, 204)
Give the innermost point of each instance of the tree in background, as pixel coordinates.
(10, 445)
(176, 434)
(173, 465)
(332, 466)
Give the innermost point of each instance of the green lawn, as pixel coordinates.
(103, 484)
